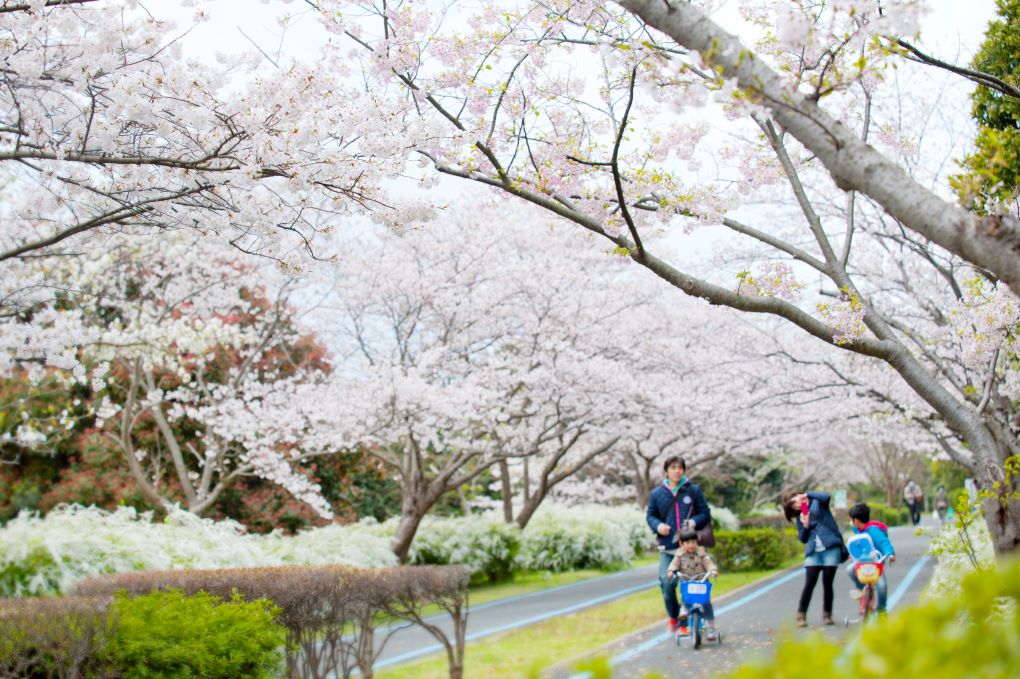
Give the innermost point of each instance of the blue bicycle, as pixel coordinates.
(695, 592)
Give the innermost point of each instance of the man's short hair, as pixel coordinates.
(688, 534)
(861, 511)
(672, 460)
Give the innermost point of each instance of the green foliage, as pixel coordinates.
(890, 516)
(35, 571)
(1005, 492)
(51, 408)
(168, 634)
(754, 549)
(976, 631)
(739, 483)
(993, 170)
(951, 475)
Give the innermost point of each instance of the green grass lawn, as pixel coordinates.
(551, 641)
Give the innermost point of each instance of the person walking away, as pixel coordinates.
(824, 548)
(674, 505)
(693, 562)
(941, 503)
(913, 496)
(878, 532)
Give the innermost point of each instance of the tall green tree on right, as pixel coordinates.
(993, 170)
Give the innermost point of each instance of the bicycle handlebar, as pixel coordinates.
(700, 577)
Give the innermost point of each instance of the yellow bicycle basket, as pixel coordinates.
(869, 573)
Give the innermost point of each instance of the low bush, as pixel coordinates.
(755, 549)
(484, 544)
(589, 536)
(54, 637)
(724, 519)
(890, 516)
(775, 521)
(169, 634)
(40, 556)
(330, 612)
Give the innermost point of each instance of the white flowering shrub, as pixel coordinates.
(483, 543)
(724, 519)
(959, 553)
(46, 555)
(587, 536)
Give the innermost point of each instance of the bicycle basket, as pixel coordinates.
(695, 592)
(868, 573)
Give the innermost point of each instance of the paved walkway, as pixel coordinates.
(751, 619)
(408, 642)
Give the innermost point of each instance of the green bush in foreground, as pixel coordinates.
(972, 634)
(167, 634)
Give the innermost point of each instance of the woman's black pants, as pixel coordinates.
(828, 574)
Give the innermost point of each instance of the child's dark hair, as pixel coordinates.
(672, 460)
(687, 534)
(861, 511)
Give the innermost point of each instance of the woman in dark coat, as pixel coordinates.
(824, 549)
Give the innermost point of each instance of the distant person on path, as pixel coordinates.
(914, 497)
(824, 549)
(941, 503)
(693, 562)
(676, 504)
(860, 519)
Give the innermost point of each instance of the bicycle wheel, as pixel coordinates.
(694, 621)
(868, 602)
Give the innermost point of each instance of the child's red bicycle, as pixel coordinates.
(868, 574)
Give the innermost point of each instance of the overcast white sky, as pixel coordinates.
(952, 28)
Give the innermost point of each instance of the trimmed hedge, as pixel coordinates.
(755, 549)
(55, 637)
(891, 516)
(164, 634)
(168, 634)
(330, 612)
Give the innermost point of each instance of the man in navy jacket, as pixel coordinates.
(676, 504)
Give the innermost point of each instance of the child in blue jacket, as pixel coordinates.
(860, 518)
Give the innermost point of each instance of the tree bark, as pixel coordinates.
(991, 242)
(506, 491)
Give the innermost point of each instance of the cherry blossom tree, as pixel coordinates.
(589, 110)
(197, 375)
(464, 348)
(106, 124)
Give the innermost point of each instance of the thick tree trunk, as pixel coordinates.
(1001, 506)
(506, 490)
(412, 511)
(529, 509)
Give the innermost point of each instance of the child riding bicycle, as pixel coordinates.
(880, 547)
(692, 561)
